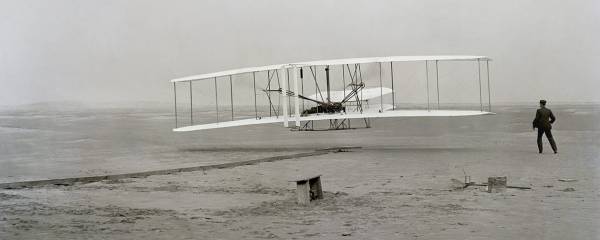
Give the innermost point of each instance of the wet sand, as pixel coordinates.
(398, 186)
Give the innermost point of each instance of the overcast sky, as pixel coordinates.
(119, 51)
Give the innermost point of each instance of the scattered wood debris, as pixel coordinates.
(569, 189)
(457, 185)
(567, 180)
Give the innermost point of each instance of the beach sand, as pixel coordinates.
(399, 185)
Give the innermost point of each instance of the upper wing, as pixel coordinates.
(330, 62)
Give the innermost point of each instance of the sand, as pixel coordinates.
(398, 186)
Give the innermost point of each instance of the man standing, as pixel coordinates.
(543, 122)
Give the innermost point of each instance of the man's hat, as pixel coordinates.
(543, 102)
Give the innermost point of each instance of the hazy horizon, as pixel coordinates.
(94, 52)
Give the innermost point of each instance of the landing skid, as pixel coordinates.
(334, 124)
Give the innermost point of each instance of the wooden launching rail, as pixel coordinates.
(89, 179)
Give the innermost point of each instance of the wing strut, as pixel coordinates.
(393, 95)
(380, 90)
(191, 107)
(254, 82)
(487, 70)
(479, 78)
(437, 80)
(427, 80)
(285, 114)
(328, 85)
(231, 95)
(296, 100)
(175, 93)
(217, 99)
(302, 82)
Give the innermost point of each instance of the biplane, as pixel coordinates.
(284, 93)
